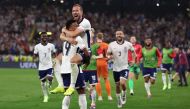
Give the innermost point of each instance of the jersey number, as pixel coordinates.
(67, 47)
(44, 54)
(119, 53)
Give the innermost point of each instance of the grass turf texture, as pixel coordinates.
(20, 89)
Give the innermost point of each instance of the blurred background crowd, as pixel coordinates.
(21, 20)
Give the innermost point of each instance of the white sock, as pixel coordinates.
(147, 87)
(59, 79)
(82, 101)
(57, 72)
(123, 93)
(118, 96)
(93, 96)
(66, 102)
(74, 75)
(169, 78)
(164, 78)
(44, 88)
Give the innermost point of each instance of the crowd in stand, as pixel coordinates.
(19, 27)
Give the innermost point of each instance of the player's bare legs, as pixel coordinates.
(164, 79)
(93, 96)
(123, 87)
(82, 98)
(44, 87)
(118, 95)
(147, 85)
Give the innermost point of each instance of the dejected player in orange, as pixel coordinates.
(102, 68)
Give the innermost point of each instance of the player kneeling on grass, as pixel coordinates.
(57, 73)
(45, 50)
(151, 60)
(70, 49)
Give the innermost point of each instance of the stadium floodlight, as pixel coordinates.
(178, 4)
(62, 1)
(188, 9)
(157, 4)
(54, 0)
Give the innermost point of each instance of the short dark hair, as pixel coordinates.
(78, 6)
(100, 35)
(42, 34)
(69, 23)
(59, 50)
(148, 37)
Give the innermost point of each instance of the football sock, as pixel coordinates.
(82, 101)
(93, 96)
(74, 75)
(147, 87)
(169, 78)
(99, 88)
(131, 84)
(164, 78)
(108, 88)
(59, 79)
(66, 102)
(44, 89)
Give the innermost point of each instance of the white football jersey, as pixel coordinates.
(86, 27)
(120, 54)
(45, 55)
(69, 51)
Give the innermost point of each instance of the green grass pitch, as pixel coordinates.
(20, 89)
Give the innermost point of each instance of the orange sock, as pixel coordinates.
(98, 88)
(108, 87)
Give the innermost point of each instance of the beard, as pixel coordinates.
(149, 45)
(120, 39)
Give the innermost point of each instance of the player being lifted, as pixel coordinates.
(84, 31)
(45, 51)
(118, 52)
(167, 62)
(70, 50)
(151, 60)
(134, 69)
